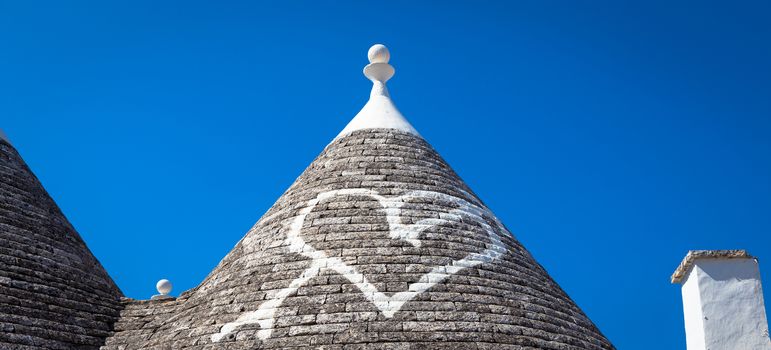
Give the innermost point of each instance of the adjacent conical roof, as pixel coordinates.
(377, 245)
(53, 293)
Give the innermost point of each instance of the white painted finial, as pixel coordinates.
(378, 70)
(378, 53)
(164, 288)
(379, 112)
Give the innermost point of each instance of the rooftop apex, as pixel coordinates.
(380, 111)
(693, 255)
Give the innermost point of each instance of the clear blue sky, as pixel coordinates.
(610, 138)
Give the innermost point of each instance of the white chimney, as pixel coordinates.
(722, 301)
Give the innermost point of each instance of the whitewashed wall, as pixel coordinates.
(723, 305)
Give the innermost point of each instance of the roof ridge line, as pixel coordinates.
(4, 137)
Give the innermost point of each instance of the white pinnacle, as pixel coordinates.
(378, 53)
(164, 288)
(379, 112)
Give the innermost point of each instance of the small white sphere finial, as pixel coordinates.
(378, 70)
(378, 53)
(163, 286)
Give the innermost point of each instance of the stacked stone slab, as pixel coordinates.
(53, 293)
(336, 264)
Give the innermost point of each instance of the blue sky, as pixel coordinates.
(610, 138)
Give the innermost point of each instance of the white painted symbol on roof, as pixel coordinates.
(388, 306)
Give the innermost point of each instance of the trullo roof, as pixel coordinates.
(53, 293)
(377, 245)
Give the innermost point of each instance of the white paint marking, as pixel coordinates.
(388, 306)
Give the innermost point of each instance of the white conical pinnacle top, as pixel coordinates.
(379, 112)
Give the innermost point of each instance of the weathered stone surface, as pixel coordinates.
(693, 255)
(377, 245)
(53, 293)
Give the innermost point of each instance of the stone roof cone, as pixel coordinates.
(53, 293)
(377, 245)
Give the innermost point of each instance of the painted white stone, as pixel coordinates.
(378, 53)
(164, 288)
(694, 325)
(379, 112)
(388, 305)
(4, 137)
(723, 306)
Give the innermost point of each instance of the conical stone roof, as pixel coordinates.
(377, 245)
(53, 293)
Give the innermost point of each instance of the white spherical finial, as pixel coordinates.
(378, 53)
(163, 286)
